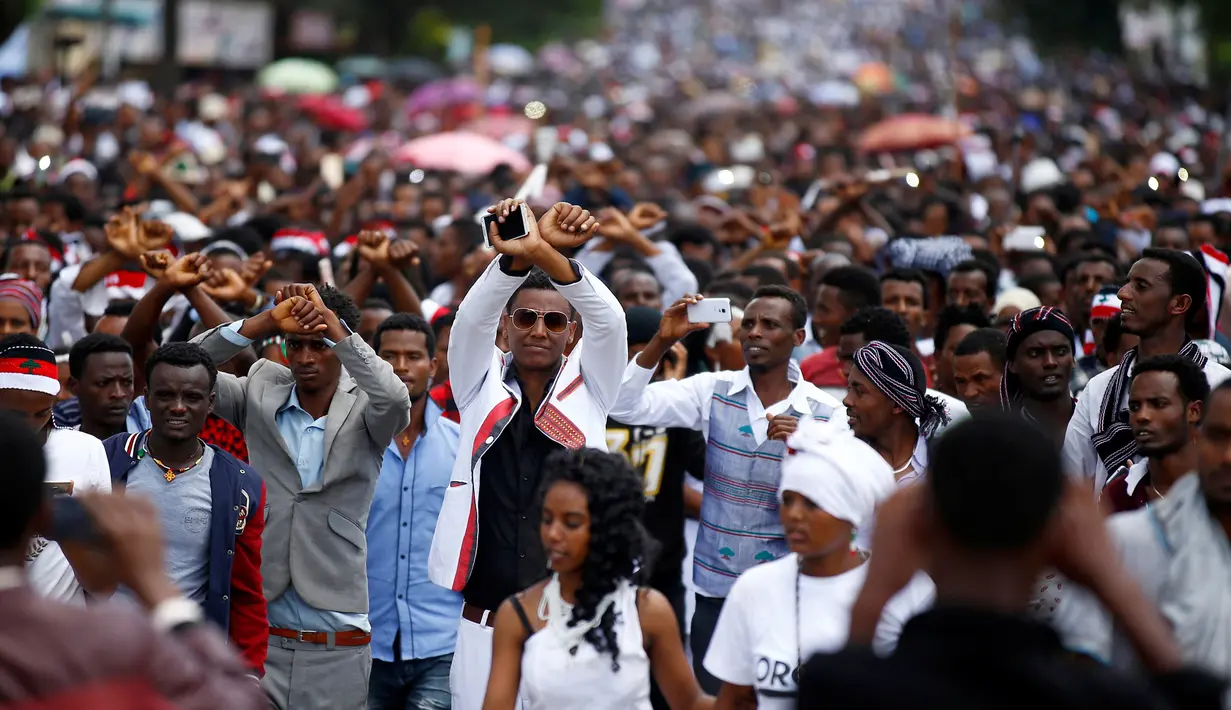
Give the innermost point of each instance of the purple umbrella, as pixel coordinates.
(442, 93)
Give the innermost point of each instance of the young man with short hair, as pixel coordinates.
(953, 324)
(212, 505)
(100, 369)
(1083, 276)
(316, 429)
(971, 283)
(978, 367)
(1037, 369)
(414, 622)
(517, 407)
(1160, 303)
(1165, 402)
(745, 417)
(842, 291)
(1174, 548)
(905, 292)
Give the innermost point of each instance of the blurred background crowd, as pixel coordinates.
(246, 174)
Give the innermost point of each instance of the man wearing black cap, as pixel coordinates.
(1037, 368)
(661, 455)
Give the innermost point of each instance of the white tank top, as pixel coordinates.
(554, 679)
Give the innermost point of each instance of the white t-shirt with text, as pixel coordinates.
(754, 643)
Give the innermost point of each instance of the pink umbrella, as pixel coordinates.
(463, 152)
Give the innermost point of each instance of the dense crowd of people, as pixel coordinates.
(291, 423)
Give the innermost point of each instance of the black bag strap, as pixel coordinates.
(521, 614)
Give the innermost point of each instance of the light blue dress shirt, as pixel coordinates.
(305, 439)
(401, 523)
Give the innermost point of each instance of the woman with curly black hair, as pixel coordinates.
(588, 638)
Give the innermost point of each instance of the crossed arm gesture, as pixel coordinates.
(564, 226)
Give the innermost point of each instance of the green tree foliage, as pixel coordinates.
(12, 12)
(1072, 24)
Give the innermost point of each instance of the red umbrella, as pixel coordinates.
(333, 115)
(911, 131)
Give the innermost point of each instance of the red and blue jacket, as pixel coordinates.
(234, 600)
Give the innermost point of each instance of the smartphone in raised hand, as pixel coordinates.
(710, 310)
(513, 227)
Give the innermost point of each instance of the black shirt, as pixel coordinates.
(661, 456)
(968, 659)
(510, 555)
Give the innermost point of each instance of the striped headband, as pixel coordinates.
(892, 375)
(1024, 325)
(898, 373)
(27, 294)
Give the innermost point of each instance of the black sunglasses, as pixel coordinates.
(525, 318)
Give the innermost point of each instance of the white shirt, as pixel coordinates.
(686, 402)
(79, 459)
(554, 677)
(755, 641)
(1080, 457)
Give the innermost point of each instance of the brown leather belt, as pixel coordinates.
(478, 615)
(340, 638)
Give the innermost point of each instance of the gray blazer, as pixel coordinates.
(315, 537)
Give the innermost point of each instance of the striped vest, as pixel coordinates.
(740, 527)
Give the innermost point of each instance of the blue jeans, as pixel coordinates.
(419, 684)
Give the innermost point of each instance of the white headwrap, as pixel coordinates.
(835, 470)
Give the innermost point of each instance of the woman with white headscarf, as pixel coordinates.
(780, 613)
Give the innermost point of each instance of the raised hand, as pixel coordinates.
(522, 248)
(617, 226)
(226, 286)
(296, 315)
(373, 247)
(122, 232)
(404, 253)
(154, 235)
(675, 324)
(254, 268)
(567, 226)
(307, 292)
(144, 163)
(646, 214)
(187, 271)
(676, 367)
(155, 263)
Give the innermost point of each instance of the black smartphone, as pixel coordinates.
(70, 522)
(513, 227)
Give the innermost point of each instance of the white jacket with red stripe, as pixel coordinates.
(574, 415)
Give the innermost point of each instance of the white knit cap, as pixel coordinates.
(835, 470)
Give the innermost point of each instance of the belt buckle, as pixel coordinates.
(299, 636)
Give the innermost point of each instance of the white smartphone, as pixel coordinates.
(710, 310)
